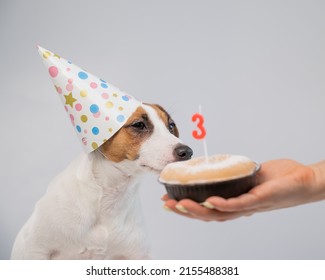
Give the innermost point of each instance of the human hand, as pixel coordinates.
(280, 184)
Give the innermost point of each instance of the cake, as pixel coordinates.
(218, 175)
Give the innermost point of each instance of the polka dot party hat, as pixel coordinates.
(96, 108)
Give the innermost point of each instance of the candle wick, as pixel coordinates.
(200, 109)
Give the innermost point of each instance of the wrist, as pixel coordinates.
(318, 183)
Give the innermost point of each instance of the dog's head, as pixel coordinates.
(149, 138)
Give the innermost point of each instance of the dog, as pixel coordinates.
(92, 210)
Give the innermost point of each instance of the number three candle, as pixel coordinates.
(201, 132)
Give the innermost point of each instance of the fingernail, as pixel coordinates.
(181, 208)
(167, 208)
(208, 205)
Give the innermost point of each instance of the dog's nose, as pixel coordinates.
(183, 152)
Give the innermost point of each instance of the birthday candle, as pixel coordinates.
(201, 133)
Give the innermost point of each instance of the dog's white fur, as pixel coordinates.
(91, 210)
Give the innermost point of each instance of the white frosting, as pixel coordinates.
(201, 164)
(213, 163)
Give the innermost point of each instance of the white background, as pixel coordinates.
(257, 68)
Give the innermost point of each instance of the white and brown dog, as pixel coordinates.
(91, 210)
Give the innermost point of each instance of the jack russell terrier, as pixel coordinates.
(92, 210)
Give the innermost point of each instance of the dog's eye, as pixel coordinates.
(139, 125)
(171, 126)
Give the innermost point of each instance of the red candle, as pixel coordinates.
(201, 132)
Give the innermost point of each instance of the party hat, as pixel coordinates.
(96, 108)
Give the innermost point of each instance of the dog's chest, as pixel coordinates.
(102, 242)
(107, 221)
(116, 232)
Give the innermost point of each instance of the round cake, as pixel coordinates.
(218, 175)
